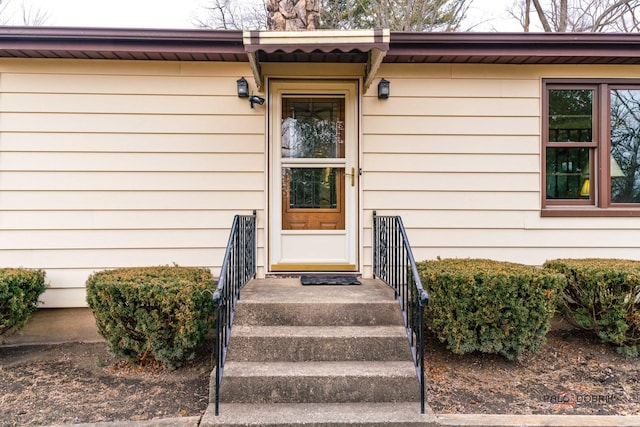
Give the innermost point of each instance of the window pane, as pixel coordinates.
(571, 115)
(568, 173)
(625, 146)
(312, 188)
(312, 128)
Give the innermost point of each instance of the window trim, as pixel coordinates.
(598, 204)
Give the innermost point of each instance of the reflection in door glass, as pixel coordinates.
(313, 128)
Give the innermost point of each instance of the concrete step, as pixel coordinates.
(318, 343)
(317, 314)
(318, 382)
(290, 290)
(286, 302)
(318, 415)
(317, 355)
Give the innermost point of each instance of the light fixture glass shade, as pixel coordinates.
(383, 89)
(243, 87)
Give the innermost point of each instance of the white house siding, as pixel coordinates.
(113, 163)
(456, 152)
(109, 164)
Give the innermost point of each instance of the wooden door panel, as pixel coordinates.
(313, 221)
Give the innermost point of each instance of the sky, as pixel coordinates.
(183, 13)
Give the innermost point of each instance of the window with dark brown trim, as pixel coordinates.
(591, 148)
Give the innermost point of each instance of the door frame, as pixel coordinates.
(350, 89)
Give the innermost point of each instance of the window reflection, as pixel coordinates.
(571, 115)
(625, 146)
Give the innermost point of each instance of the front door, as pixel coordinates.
(313, 176)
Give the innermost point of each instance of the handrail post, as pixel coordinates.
(374, 227)
(218, 356)
(421, 355)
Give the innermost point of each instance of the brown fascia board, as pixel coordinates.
(541, 45)
(77, 42)
(65, 39)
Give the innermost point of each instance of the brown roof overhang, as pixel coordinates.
(128, 44)
(403, 47)
(515, 48)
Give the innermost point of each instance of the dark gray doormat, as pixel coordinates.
(329, 280)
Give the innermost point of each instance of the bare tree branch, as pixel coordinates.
(635, 22)
(34, 17)
(233, 15)
(3, 15)
(28, 15)
(564, 16)
(612, 12)
(579, 15)
(541, 16)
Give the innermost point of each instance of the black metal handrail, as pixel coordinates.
(238, 267)
(394, 264)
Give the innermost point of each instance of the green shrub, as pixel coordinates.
(603, 295)
(489, 306)
(19, 292)
(152, 313)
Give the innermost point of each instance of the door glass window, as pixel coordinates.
(313, 163)
(311, 188)
(312, 128)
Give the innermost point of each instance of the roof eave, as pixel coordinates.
(228, 45)
(515, 47)
(112, 42)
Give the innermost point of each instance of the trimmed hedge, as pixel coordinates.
(603, 295)
(489, 306)
(152, 313)
(19, 292)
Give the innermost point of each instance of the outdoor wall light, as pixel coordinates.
(255, 99)
(243, 87)
(383, 89)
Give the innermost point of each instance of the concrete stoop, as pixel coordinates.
(323, 356)
(319, 415)
(317, 355)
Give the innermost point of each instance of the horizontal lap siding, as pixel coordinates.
(105, 166)
(455, 151)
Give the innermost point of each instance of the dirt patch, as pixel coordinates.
(78, 383)
(75, 383)
(573, 374)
